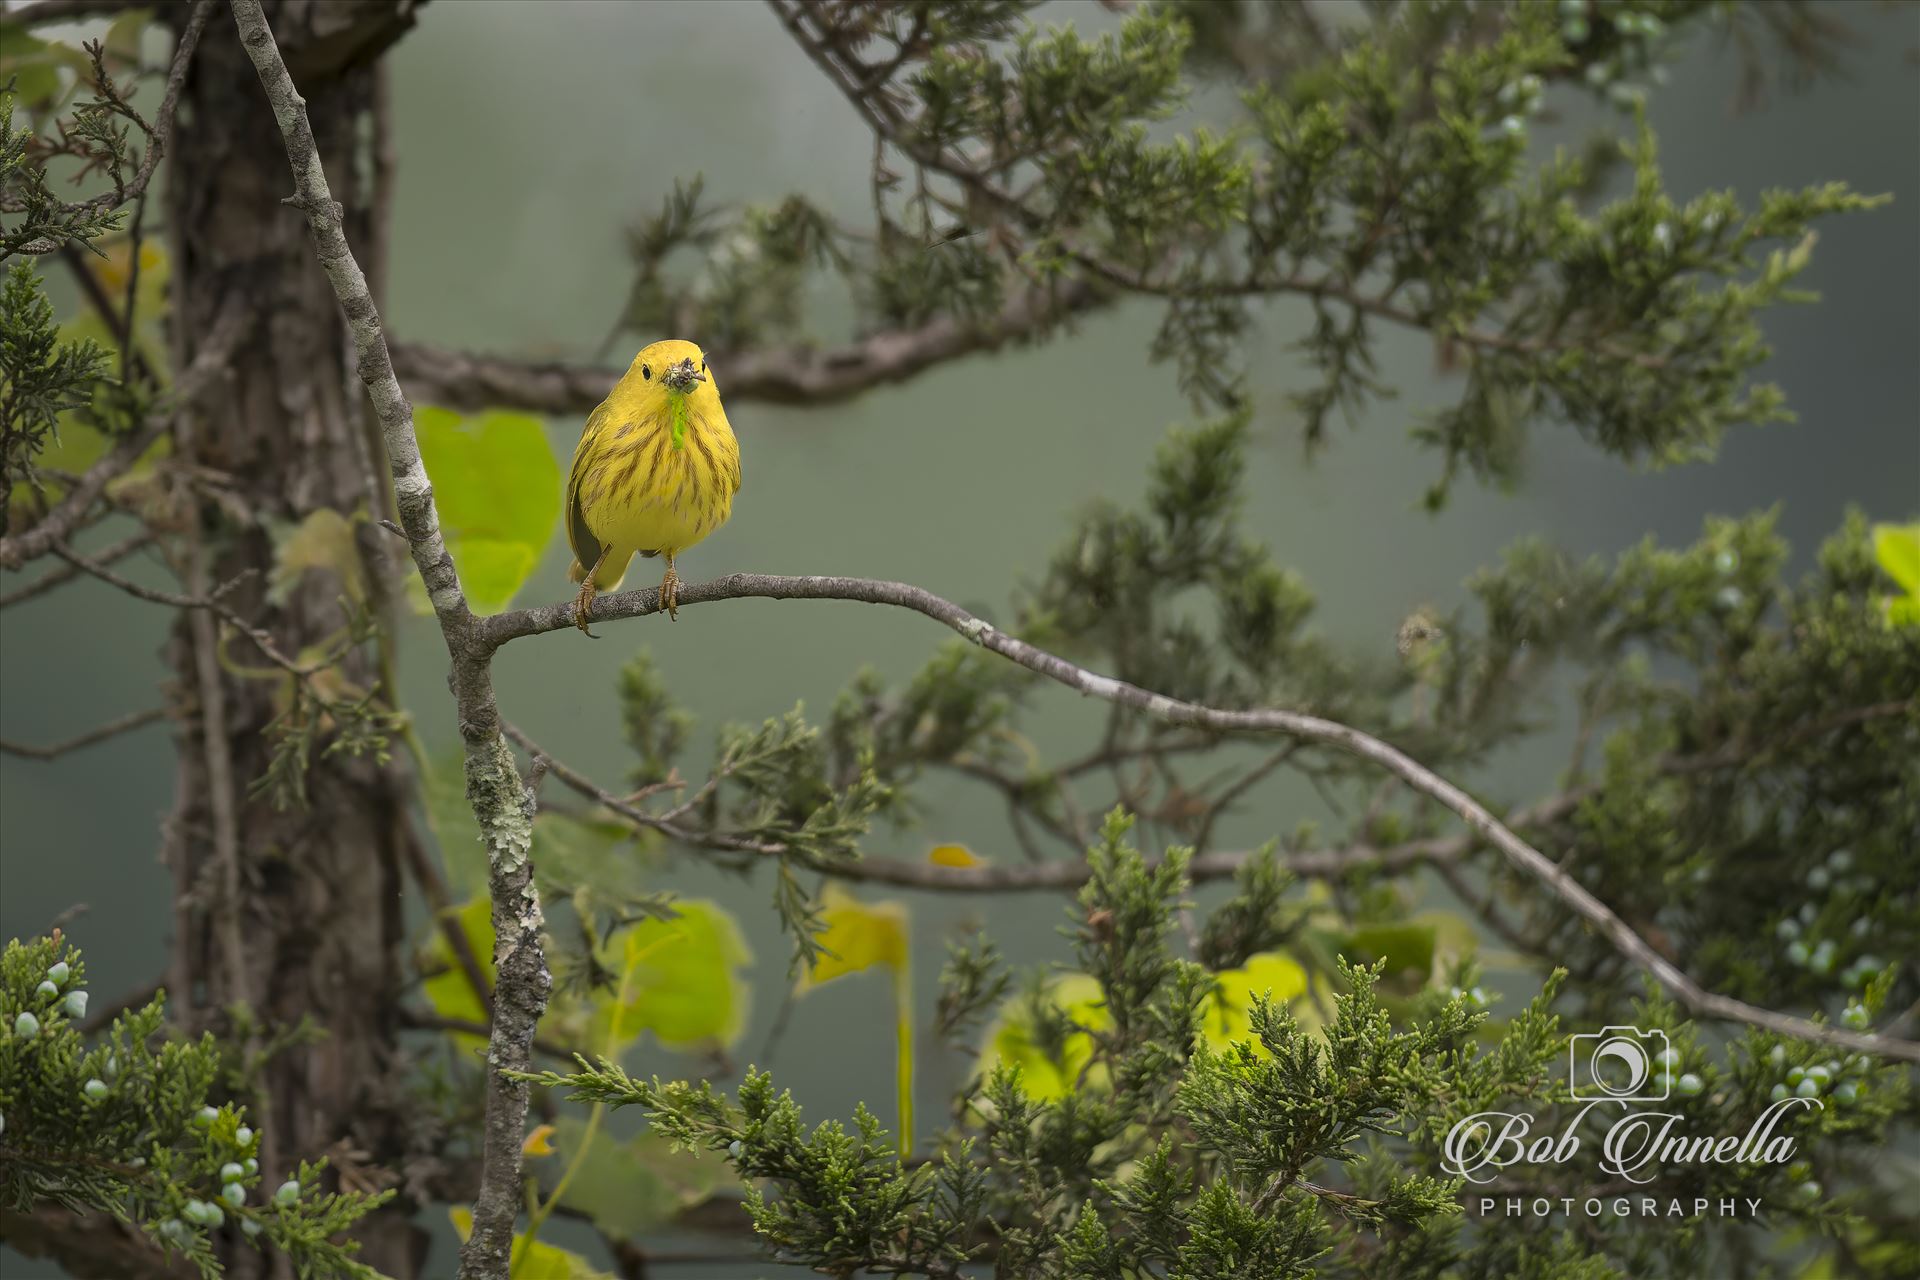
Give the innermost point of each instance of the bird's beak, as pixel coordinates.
(682, 377)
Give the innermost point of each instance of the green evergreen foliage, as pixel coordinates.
(41, 378)
(1385, 178)
(125, 1122)
(1300, 1151)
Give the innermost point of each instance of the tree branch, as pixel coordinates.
(502, 808)
(68, 572)
(777, 375)
(504, 627)
(113, 728)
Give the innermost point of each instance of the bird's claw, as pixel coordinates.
(670, 595)
(582, 606)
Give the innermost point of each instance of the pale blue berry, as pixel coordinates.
(1668, 1059)
(736, 1149)
(46, 990)
(1513, 126)
(1818, 879)
(249, 1227)
(1840, 861)
(1847, 1092)
(1787, 930)
(253, 1166)
(1857, 1017)
(1777, 1055)
(1798, 954)
(231, 1172)
(234, 1194)
(1820, 1076)
(26, 1026)
(1807, 912)
(243, 1136)
(1478, 995)
(59, 972)
(1689, 1085)
(1779, 1092)
(75, 1005)
(1574, 30)
(289, 1192)
(1807, 1088)
(1810, 1189)
(1796, 1075)
(95, 1089)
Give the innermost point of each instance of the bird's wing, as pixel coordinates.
(586, 547)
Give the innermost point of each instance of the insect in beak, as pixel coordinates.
(682, 376)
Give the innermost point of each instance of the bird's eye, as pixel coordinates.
(646, 373)
(703, 365)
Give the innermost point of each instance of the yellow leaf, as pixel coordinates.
(681, 979)
(324, 540)
(953, 855)
(538, 1261)
(1227, 1015)
(858, 935)
(1049, 1074)
(536, 1143)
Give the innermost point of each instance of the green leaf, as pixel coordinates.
(448, 989)
(497, 486)
(679, 979)
(1407, 947)
(1897, 548)
(632, 1187)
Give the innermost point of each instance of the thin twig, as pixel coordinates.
(113, 728)
(68, 572)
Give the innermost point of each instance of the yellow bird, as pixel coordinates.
(655, 472)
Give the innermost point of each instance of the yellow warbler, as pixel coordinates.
(655, 472)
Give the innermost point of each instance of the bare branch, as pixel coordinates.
(208, 367)
(501, 806)
(111, 729)
(44, 11)
(776, 375)
(68, 572)
(503, 627)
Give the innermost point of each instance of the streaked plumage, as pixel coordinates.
(655, 471)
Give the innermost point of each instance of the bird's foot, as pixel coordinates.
(582, 605)
(670, 594)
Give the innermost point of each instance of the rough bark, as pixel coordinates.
(296, 914)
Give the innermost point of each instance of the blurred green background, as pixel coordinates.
(529, 135)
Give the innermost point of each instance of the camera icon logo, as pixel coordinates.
(1619, 1064)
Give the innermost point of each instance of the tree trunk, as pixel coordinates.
(294, 914)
